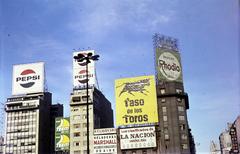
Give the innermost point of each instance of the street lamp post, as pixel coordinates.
(80, 58)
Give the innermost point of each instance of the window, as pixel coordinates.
(84, 98)
(165, 130)
(144, 152)
(184, 146)
(164, 118)
(164, 109)
(184, 136)
(75, 109)
(77, 152)
(162, 91)
(76, 99)
(77, 134)
(163, 100)
(166, 137)
(76, 144)
(179, 99)
(76, 126)
(180, 108)
(76, 117)
(178, 91)
(182, 127)
(181, 118)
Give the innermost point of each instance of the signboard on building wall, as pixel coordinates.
(62, 139)
(105, 141)
(28, 78)
(105, 131)
(137, 138)
(136, 100)
(168, 65)
(80, 72)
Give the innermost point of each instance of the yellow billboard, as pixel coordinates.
(136, 100)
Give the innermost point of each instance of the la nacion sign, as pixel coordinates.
(138, 137)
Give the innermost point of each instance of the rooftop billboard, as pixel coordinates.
(136, 100)
(28, 78)
(168, 65)
(80, 72)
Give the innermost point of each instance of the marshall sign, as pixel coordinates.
(168, 65)
(28, 78)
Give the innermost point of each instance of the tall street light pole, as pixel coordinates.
(88, 58)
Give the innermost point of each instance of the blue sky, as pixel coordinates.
(121, 33)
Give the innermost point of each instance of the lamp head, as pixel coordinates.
(95, 57)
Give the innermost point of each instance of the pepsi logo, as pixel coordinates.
(82, 76)
(27, 78)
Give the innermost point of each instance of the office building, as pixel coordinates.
(229, 138)
(29, 112)
(28, 124)
(173, 103)
(237, 126)
(225, 140)
(100, 116)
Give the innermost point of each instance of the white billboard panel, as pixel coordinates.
(79, 70)
(105, 131)
(80, 77)
(28, 78)
(105, 144)
(137, 138)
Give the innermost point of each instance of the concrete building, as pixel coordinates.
(230, 138)
(28, 124)
(173, 103)
(237, 128)
(1, 144)
(225, 141)
(100, 116)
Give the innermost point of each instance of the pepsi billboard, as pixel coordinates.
(80, 73)
(28, 78)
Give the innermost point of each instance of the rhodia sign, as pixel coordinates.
(28, 78)
(136, 100)
(80, 72)
(168, 65)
